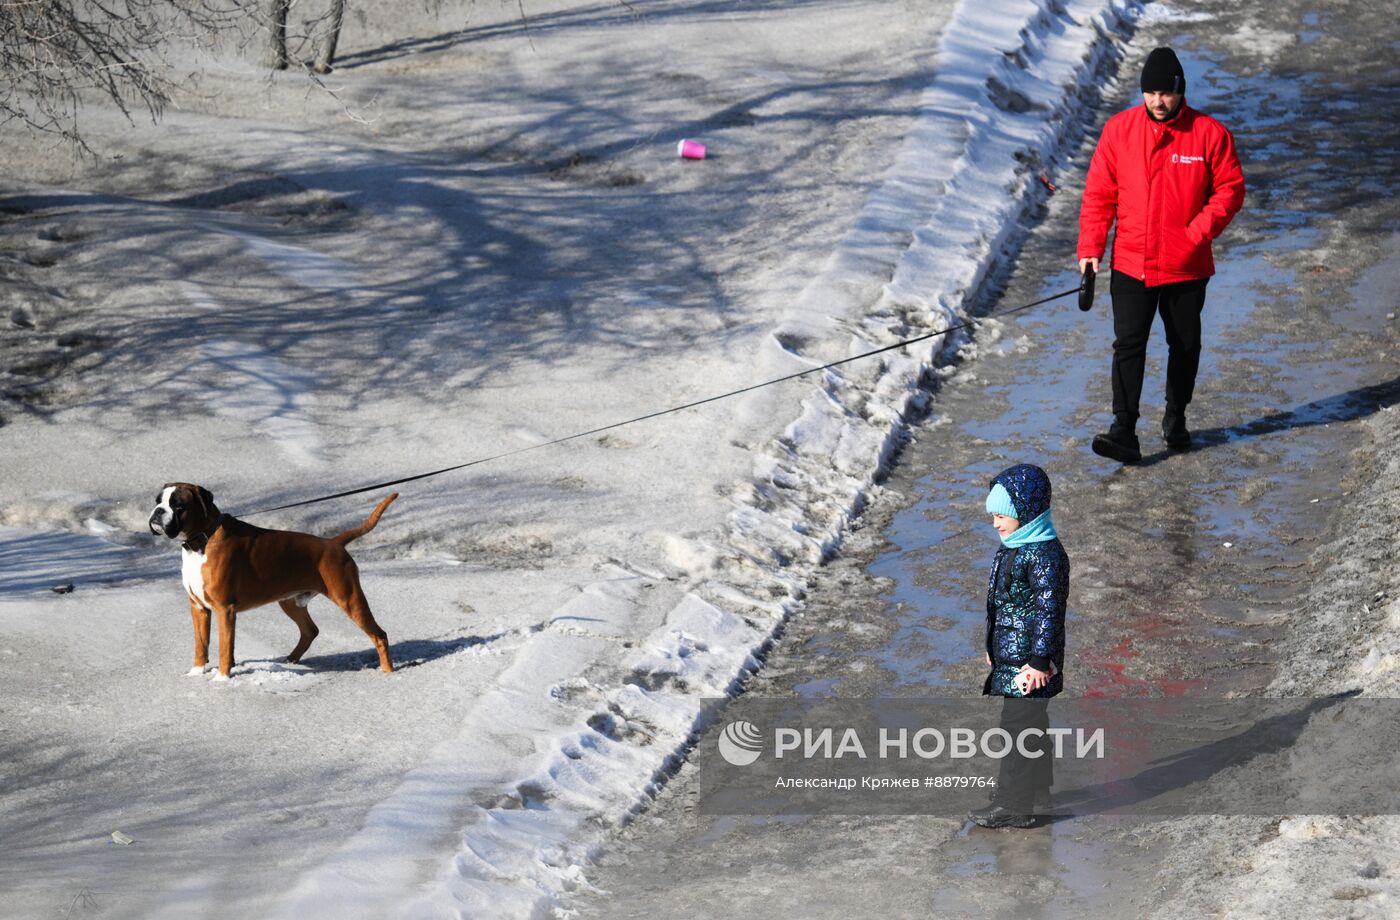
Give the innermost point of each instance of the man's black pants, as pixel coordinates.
(1134, 306)
(1021, 779)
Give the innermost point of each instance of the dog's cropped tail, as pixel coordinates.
(357, 532)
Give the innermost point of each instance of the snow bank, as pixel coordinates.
(995, 115)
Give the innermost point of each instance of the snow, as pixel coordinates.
(558, 620)
(36, 562)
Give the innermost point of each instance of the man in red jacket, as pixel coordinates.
(1169, 176)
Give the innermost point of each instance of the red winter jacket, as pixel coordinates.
(1172, 186)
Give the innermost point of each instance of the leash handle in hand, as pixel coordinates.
(1086, 289)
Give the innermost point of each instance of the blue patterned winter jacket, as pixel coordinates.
(1026, 595)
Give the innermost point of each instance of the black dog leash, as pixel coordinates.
(690, 405)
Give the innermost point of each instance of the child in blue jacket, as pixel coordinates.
(1025, 638)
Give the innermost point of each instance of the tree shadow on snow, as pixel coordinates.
(36, 562)
(513, 253)
(532, 25)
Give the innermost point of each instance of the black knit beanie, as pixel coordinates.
(1162, 73)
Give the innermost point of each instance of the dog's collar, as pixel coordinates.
(197, 542)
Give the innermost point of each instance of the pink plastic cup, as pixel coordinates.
(691, 150)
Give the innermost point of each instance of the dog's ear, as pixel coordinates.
(206, 498)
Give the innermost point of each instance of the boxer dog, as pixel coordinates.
(230, 566)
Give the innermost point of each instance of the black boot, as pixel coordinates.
(1174, 429)
(1120, 443)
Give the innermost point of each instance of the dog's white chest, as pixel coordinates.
(192, 573)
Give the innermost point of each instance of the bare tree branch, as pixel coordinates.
(54, 53)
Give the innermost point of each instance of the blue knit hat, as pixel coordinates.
(1029, 489)
(999, 502)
